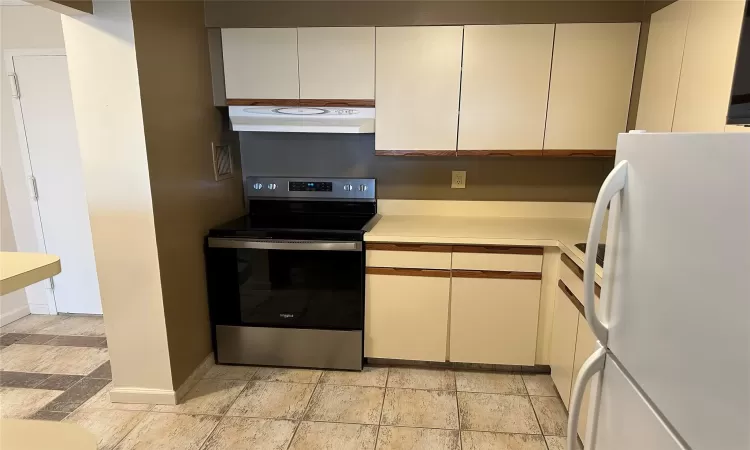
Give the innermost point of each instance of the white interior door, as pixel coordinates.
(48, 123)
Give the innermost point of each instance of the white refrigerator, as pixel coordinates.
(672, 369)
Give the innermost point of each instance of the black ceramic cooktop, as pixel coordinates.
(599, 252)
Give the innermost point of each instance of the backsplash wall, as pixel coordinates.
(422, 178)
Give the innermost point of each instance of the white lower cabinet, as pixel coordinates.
(585, 346)
(563, 344)
(494, 321)
(406, 316)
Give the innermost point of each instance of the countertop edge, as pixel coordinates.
(32, 275)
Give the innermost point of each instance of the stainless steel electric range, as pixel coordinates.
(286, 282)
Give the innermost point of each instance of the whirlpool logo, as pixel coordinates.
(286, 316)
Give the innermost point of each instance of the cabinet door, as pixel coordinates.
(418, 77)
(337, 63)
(708, 65)
(592, 75)
(563, 345)
(494, 321)
(260, 63)
(661, 70)
(585, 346)
(406, 317)
(504, 87)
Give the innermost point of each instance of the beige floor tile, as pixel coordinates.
(165, 431)
(18, 403)
(398, 438)
(488, 382)
(287, 375)
(50, 359)
(101, 401)
(421, 379)
(555, 442)
(496, 412)
(231, 372)
(369, 376)
(76, 326)
(334, 436)
(551, 414)
(257, 434)
(540, 384)
(272, 400)
(347, 404)
(31, 323)
(207, 397)
(419, 408)
(482, 440)
(109, 427)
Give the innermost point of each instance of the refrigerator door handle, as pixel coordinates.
(614, 183)
(590, 367)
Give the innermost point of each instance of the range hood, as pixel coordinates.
(302, 119)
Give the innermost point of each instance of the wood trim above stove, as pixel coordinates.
(435, 273)
(311, 103)
(579, 272)
(500, 152)
(415, 153)
(568, 293)
(499, 249)
(496, 274)
(437, 248)
(580, 153)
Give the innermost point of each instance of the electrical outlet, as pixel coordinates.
(458, 179)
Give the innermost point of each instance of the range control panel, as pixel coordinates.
(330, 188)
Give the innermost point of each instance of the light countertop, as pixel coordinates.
(483, 230)
(18, 270)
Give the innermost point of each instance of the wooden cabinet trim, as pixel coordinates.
(579, 272)
(568, 293)
(500, 249)
(434, 273)
(496, 274)
(500, 152)
(580, 153)
(415, 153)
(313, 103)
(393, 247)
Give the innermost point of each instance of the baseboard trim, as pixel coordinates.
(7, 317)
(194, 377)
(38, 308)
(161, 396)
(142, 395)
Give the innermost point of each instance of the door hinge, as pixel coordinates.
(51, 283)
(14, 87)
(34, 190)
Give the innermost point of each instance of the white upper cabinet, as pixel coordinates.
(337, 63)
(417, 78)
(661, 71)
(504, 86)
(260, 63)
(592, 76)
(708, 65)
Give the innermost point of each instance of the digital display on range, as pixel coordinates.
(310, 186)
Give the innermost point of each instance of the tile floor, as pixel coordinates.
(57, 368)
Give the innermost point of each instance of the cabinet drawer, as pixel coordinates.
(416, 256)
(494, 320)
(498, 258)
(572, 276)
(406, 317)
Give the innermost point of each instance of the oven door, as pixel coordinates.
(286, 284)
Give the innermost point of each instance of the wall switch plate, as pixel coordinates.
(458, 180)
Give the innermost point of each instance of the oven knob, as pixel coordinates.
(362, 187)
(347, 187)
(272, 186)
(258, 186)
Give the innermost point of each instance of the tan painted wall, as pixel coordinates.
(107, 104)
(180, 123)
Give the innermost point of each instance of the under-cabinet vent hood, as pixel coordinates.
(302, 119)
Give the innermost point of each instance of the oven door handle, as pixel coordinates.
(278, 244)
